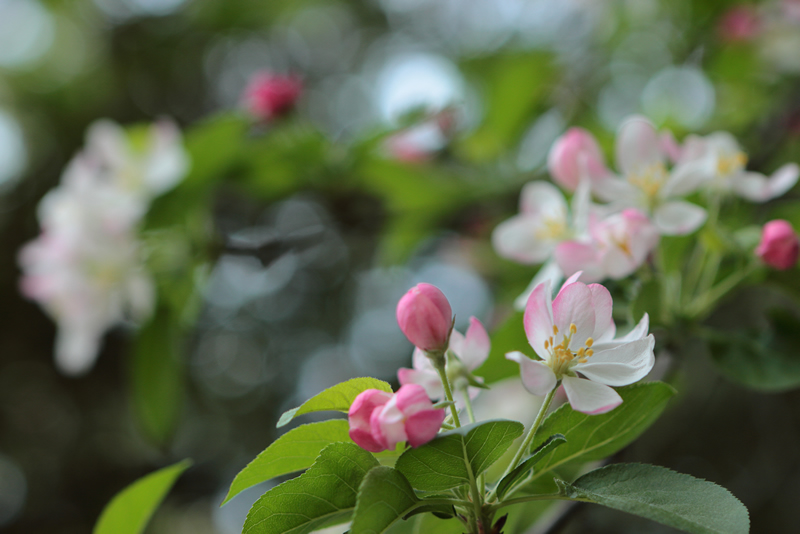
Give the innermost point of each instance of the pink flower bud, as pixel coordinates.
(779, 245)
(425, 317)
(739, 23)
(380, 420)
(270, 95)
(574, 155)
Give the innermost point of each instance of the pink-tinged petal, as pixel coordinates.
(574, 256)
(538, 318)
(569, 281)
(412, 398)
(364, 439)
(550, 272)
(427, 379)
(621, 365)
(678, 218)
(638, 146)
(363, 406)
(573, 305)
(602, 305)
(476, 345)
(670, 146)
(388, 425)
(536, 376)
(518, 239)
(420, 362)
(423, 426)
(590, 397)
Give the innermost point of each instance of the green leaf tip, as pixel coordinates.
(336, 398)
(675, 499)
(131, 509)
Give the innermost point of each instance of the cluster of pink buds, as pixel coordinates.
(380, 420)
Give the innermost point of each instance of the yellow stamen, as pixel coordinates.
(555, 330)
(589, 352)
(582, 360)
(572, 328)
(589, 342)
(546, 344)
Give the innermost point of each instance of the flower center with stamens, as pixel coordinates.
(649, 179)
(551, 228)
(562, 358)
(728, 164)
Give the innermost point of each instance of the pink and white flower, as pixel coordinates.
(573, 335)
(723, 160)
(574, 157)
(648, 185)
(380, 420)
(615, 247)
(471, 351)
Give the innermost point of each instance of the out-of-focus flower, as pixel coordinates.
(576, 156)
(380, 420)
(574, 337)
(615, 247)
(471, 351)
(740, 23)
(779, 246)
(722, 158)
(425, 317)
(270, 95)
(543, 222)
(86, 268)
(646, 183)
(422, 141)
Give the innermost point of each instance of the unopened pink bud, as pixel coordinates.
(270, 95)
(425, 317)
(779, 245)
(574, 155)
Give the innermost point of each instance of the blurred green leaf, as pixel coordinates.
(130, 510)
(384, 497)
(458, 456)
(674, 499)
(337, 398)
(594, 437)
(157, 381)
(323, 495)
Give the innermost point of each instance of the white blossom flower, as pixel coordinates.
(573, 335)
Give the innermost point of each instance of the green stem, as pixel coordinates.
(530, 498)
(526, 444)
(465, 392)
(448, 393)
(702, 303)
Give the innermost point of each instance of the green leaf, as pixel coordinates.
(322, 495)
(293, 451)
(130, 510)
(674, 499)
(336, 398)
(157, 376)
(593, 437)
(523, 470)
(456, 457)
(384, 497)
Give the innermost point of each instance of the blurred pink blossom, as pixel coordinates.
(779, 246)
(575, 156)
(740, 23)
(269, 95)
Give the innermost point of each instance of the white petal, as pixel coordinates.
(516, 239)
(475, 346)
(619, 365)
(639, 331)
(589, 397)
(602, 305)
(420, 362)
(550, 271)
(77, 348)
(678, 218)
(638, 146)
(688, 177)
(536, 376)
(574, 256)
(758, 188)
(543, 199)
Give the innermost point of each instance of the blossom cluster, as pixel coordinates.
(645, 199)
(86, 268)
